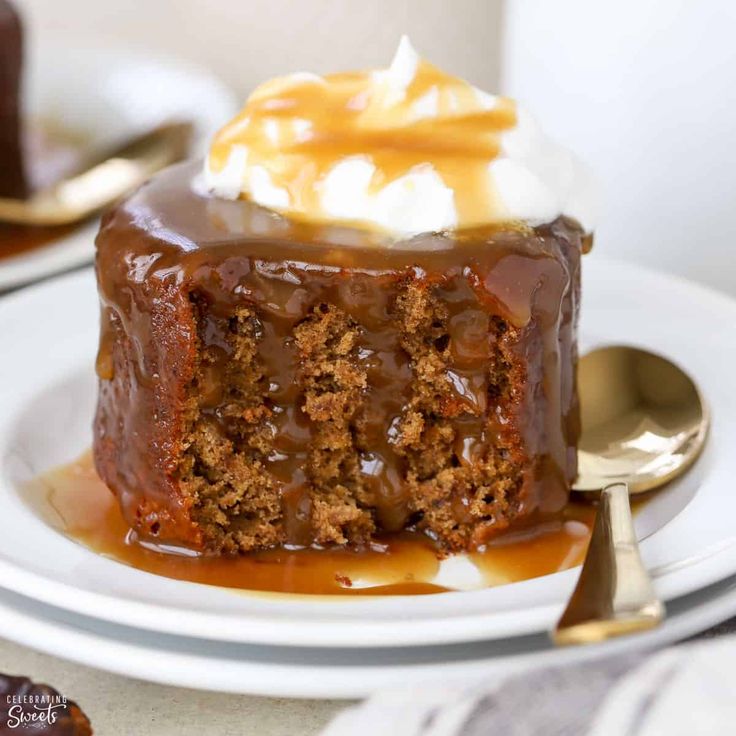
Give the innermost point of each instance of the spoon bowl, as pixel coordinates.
(644, 423)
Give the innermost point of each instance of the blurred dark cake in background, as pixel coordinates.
(12, 177)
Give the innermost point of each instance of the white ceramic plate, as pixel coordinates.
(107, 94)
(325, 673)
(47, 392)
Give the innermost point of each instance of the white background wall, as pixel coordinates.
(645, 91)
(247, 41)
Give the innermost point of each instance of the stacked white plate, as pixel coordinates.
(58, 596)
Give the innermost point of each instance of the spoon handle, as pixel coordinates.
(614, 594)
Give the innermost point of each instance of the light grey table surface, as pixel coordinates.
(121, 706)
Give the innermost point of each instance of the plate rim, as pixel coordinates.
(72, 640)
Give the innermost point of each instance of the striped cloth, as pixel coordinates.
(685, 690)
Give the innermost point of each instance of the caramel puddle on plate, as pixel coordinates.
(73, 499)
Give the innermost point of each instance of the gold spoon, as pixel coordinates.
(75, 198)
(644, 423)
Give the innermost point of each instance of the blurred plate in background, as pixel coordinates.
(94, 98)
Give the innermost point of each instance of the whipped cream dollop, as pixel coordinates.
(403, 150)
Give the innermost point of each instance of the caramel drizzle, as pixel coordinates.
(298, 128)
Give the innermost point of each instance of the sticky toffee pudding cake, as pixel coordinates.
(360, 318)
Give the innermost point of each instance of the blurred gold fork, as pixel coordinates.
(76, 197)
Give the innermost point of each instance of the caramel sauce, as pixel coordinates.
(76, 501)
(299, 127)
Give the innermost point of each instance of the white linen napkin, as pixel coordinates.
(687, 690)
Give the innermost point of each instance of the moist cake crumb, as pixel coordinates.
(224, 469)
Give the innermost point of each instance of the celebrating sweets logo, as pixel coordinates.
(34, 711)
(31, 707)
